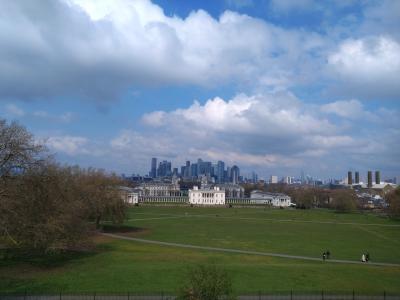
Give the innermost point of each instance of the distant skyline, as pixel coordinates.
(274, 86)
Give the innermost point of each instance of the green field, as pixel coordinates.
(122, 266)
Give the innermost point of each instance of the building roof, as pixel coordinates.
(269, 193)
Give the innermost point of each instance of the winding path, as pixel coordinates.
(246, 251)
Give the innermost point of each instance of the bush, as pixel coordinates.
(206, 282)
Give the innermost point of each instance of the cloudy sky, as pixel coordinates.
(274, 86)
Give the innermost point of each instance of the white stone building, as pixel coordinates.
(206, 196)
(161, 189)
(274, 199)
(129, 195)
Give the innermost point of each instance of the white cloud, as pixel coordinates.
(154, 119)
(100, 49)
(271, 128)
(369, 65)
(71, 145)
(352, 109)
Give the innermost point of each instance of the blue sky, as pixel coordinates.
(272, 86)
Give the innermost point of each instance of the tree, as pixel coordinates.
(101, 195)
(304, 197)
(207, 282)
(45, 212)
(18, 153)
(45, 207)
(344, 200)
(393, 199)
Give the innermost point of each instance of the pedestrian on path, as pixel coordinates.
(323, 256)
(363, 257)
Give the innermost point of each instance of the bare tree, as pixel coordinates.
(18, 149)
(46, 207)
(45, 212)
(18, 152)
(344, 200)
(393, 198)
(102, 196)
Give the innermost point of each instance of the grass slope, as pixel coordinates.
(122, 266)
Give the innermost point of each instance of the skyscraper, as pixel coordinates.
(369, 176)
(377, 177)
(357, 177)
(164, 169)
(187, 169)
(220, 171)
(235, 173)
(349, 178)
(193, 170)
(254, 177)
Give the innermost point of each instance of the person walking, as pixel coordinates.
(323, 256)
(363, 257)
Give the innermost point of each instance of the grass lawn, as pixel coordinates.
(122, 266)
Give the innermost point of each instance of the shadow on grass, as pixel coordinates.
(52, 259)
(113, 228)
(9, 257)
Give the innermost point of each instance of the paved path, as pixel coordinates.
(247, 252)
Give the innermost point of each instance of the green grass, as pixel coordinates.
(295, 232)
(122, 266)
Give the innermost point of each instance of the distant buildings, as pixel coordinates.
(274, 199)
(218, 172)
(164, 169)
(273, 179)
(129, 195)
(377, 185)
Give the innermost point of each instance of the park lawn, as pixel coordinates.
(294, 232)
(125, 266)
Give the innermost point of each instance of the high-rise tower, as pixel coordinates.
(377, 177)
(357, 177)
(369, 176)
(349, 178)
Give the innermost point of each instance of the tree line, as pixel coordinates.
(341, 200)
(45, 206)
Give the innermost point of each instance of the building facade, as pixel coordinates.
(129, 195)
(274, 199)
(206, 196)
(160, 189)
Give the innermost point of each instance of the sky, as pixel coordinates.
(276, 87)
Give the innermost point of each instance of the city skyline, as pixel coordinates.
(217, 168)
(274, 87)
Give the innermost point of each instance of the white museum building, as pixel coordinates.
(214, 196)
(274, 199)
